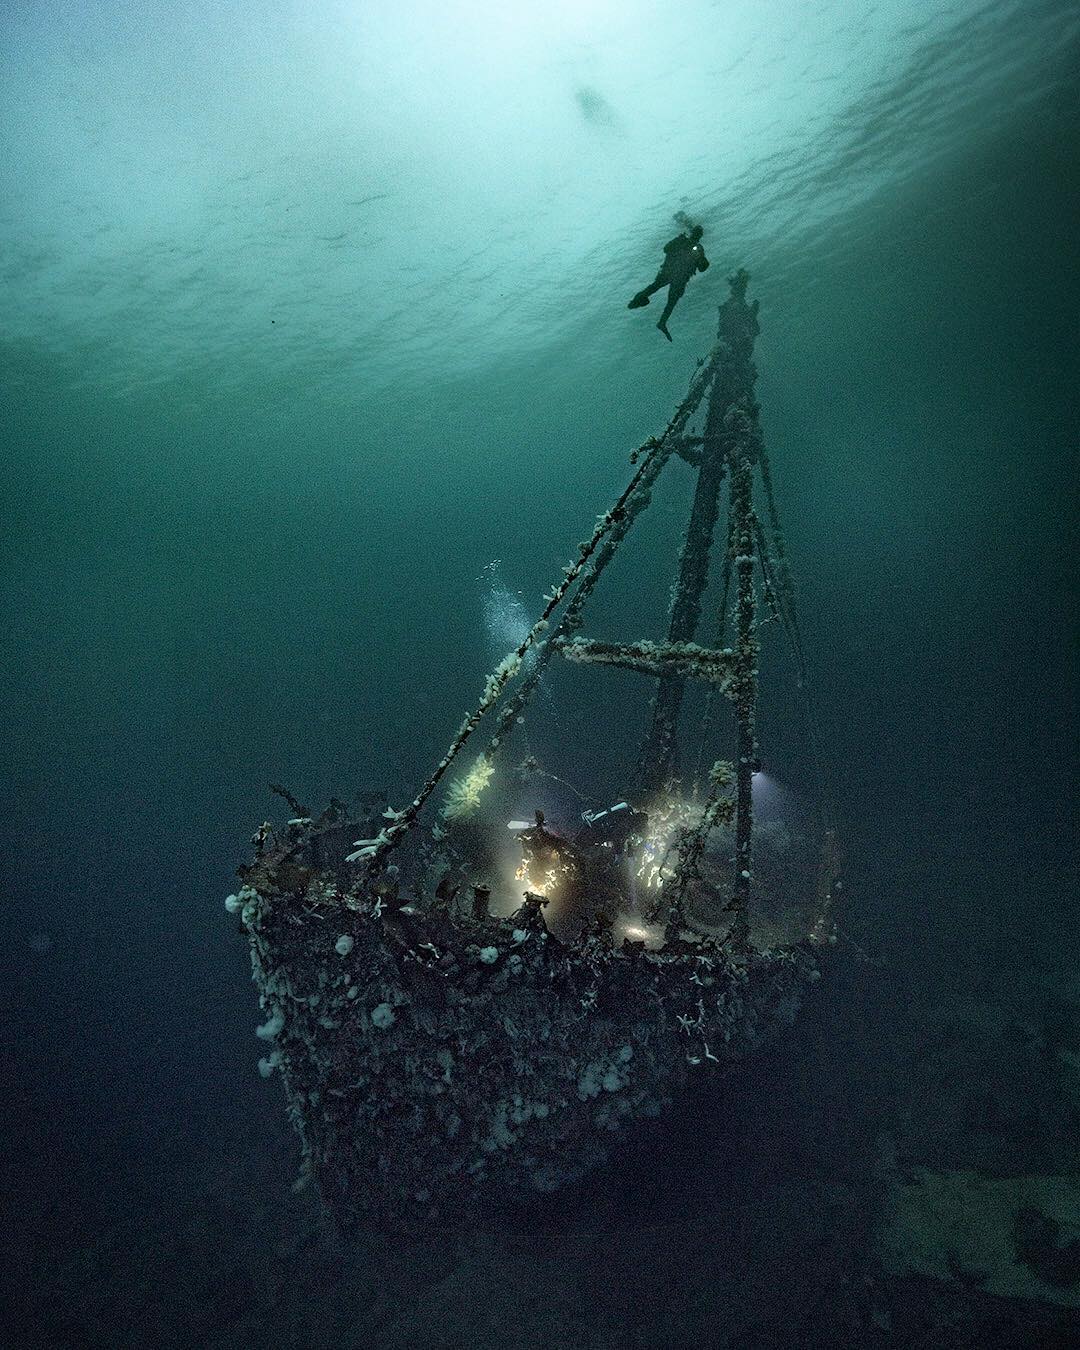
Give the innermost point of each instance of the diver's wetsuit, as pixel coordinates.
(683, 257)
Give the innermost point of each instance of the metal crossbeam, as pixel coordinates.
(715, 665)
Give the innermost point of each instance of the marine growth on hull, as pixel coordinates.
(466, 1007)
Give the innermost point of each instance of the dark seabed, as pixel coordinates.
(310, 315)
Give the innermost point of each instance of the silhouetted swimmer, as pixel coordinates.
(683, 257)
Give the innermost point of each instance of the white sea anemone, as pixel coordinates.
(464, 793)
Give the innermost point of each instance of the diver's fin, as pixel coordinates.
(639, 300)
(663, 328)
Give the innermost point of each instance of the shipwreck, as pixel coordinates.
(449, 1040)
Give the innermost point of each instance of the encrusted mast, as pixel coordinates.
(730, 432)
(729, 449)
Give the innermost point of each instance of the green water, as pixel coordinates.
(312, 314)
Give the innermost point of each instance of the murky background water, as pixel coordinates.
(309, 317)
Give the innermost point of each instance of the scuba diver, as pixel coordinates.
(683, 256)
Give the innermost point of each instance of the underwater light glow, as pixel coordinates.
(504, 31)
(656, 858)
(637, 931)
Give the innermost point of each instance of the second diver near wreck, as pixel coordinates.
(683, 258)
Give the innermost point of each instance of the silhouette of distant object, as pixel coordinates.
(683, 257)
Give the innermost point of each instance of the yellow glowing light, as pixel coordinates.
(540, 885)
(656, 863)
